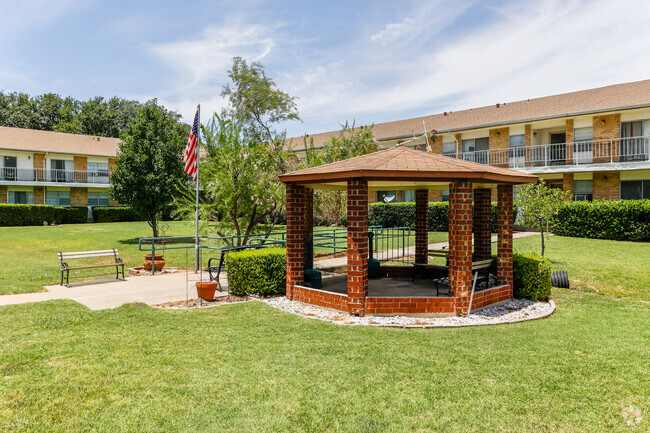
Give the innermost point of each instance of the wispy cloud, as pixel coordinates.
(200, 64)
(393, 31)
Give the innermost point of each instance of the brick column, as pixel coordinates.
(421, 225)
(295, 237)
(460, 243)
(504, 230)
(309, 218)
(357, 246)
(482, 227)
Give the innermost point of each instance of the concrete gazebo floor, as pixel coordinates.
(388, 287)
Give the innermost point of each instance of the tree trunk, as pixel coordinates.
(153, 223)
(541, 230)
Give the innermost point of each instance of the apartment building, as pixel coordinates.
(42, 167)
(595, 143)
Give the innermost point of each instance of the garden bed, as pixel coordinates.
(199, 303)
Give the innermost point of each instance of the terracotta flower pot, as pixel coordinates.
(159, 264)
(158, 256)
(206, 290)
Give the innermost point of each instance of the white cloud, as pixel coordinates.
(200, 64)
(530, 49)
(393, 31)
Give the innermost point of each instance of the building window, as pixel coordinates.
(408, 196)
(61, 170)
(476, 149)
(635, 189)
(449, 149)
(20, 197)
(97, 198)
(583, 146)
(445, 195)
(387, 196)
(634, 146)
(9, 168)
(583, 190)
(98, 172)
(516, 153)
(58, 198)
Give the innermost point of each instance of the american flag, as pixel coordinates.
(192, 149)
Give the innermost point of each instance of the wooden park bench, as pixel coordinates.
(66, 257)
(480, 271)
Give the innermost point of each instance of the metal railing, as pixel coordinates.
(389, 244)
(54, 175)
(574, 153)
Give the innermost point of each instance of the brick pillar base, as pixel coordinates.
(421, 225)
(357, 246)
(295, 237)
(505, 227)
(482, 224)
(460, 243)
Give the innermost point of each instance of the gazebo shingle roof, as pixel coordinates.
(404, 163)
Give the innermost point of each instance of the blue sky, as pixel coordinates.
(344, 60)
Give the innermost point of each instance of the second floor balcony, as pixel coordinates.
(618, 150)
(53, 176)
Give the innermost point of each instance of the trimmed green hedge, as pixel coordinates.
(616, 220)
(37, 214)
(403, 215)
(257, 272)
(114, 214)
(532, 277)
(72, 215)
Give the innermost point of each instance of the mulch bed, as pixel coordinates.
(199, 303)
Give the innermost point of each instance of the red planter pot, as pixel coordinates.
(206, 290)
(158, 262)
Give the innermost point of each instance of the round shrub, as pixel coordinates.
(532, 277)
(257, 272)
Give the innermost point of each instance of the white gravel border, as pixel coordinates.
(514, 311)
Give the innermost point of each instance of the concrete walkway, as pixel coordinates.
(326, 264)
(105, 294)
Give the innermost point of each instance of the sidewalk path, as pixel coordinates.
(111, 293)
(325, 264)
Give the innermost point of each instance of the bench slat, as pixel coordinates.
(88, 256)
(96, 266)
(86, 252)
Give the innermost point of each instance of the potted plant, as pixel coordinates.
(205, 290)
(158, 262)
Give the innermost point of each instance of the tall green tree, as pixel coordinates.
(538, 204)
(149, 165)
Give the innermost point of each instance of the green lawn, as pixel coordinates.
(613, 268)
(248, 367)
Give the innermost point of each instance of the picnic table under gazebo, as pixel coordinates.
(469, 186)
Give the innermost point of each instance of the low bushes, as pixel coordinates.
(532, 277)
(257, 272)
(616, 220)
(403, 215)
(114, 214)
(37, 214)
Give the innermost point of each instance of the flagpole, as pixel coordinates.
(198, 148)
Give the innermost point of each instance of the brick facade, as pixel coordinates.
(335, 301)
(460, 243)
(567, 182)
(436, 145)
(39, 195)
(3, 194)
(435, 195)
(606, 127)
(568, 132)
(482, 223)
(39, 164)
(295, 237)
(81, 165)
(505, 223)
(357, 246)
(606, 185)
(78, 197)
(528, 137)
(421, 225)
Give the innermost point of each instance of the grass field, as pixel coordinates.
(29, 254)
(248, 367)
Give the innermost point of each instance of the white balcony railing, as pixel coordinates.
(577, 153)
(54, 176)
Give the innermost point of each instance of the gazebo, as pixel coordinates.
(469, 186)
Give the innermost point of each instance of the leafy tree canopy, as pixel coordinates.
(51, 112)
(149, 165)
(538, 204)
